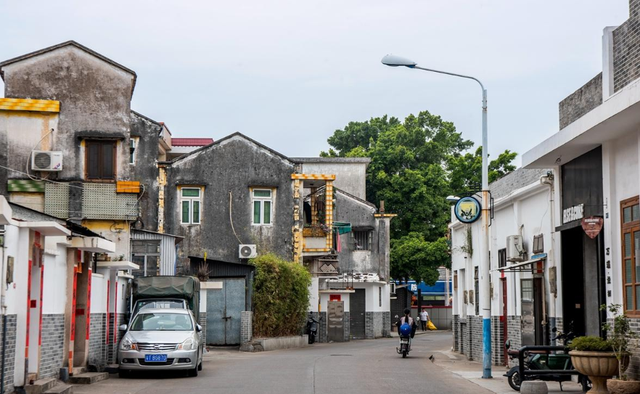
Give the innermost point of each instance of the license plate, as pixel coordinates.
(155, 358)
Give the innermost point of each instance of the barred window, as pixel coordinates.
(362, 240)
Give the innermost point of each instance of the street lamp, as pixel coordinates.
(485, 302)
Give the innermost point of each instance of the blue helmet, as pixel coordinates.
(405, 330)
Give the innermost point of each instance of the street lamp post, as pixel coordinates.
(485, 301)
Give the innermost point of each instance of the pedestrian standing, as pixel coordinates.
(424, 317)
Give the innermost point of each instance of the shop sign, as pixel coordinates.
(467, 210)
(592, 226)
(573, 213)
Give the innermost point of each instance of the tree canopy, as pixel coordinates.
(414, 166)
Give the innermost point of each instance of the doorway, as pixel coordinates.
(335, 317)
(583, 289)
(80, 329)
(35, 310)
(224, 312)
(357, 308)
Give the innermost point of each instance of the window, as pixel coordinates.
(133, 145)
(100, 160)
(502, 258)
(190, 205)
(476, 287)
(262, 206)
(362, 240)
(630, 210)
(147, 255)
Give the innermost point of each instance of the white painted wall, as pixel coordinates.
(98, 293)
(55, 276)
(324, 299)
(525, 212)
(314, 297)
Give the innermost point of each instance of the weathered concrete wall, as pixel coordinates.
(95, 100)
(361, 215)
(581, 101)
(351, 173)
(227, 169)
(145, 168)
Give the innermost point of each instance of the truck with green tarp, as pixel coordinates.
(165, 292)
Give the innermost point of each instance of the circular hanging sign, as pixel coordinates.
(467, 210)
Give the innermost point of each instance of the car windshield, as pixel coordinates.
(158, 304)
(161, 322)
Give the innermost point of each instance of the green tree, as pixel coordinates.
(280, 298)
(414, 165)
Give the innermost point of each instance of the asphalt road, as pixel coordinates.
(357, 367)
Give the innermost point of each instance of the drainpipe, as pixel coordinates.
(548, 180)
(3, 289)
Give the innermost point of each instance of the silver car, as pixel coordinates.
(161, 339)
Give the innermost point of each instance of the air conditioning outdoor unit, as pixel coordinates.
(515, 248)
(46, 160)
(248, 251)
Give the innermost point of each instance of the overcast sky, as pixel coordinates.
(289, 73)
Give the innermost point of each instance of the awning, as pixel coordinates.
(117, 265)
(93, 244)
(521, 267)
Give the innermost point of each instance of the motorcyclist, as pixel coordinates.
(408, 320)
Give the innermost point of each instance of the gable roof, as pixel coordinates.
(62, 45)
(230, 137)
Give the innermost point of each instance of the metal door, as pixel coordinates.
(357, 307)
(527, 319)
(224, 309)
(335, 315)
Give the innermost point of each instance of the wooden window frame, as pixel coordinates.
(629, 228)
(114, 167)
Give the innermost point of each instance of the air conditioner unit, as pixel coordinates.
(248, 251)
(515, 248)
(46, 160)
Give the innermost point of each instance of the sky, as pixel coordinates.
(289, 73)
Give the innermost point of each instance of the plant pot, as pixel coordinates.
(616, 386)
(598, 366)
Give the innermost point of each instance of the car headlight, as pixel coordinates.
(127, 344)
(188, 344)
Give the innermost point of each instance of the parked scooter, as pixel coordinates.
(312, 329)
(404, 332)
(545, 358)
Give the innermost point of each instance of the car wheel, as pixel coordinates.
(193, 372)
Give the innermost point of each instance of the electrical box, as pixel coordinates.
(515, 248)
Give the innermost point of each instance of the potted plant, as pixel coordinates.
(594, 357)
(620, 336)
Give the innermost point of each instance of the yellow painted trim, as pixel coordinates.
(385, 215)
(326, 177)
(12, 104)
(317, 250)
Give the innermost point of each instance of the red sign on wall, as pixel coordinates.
(592, 225)
(335, 297)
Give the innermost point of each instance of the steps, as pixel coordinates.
(88, 377)
(48, 386)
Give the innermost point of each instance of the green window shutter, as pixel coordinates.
(196, 212)
(267, 212)
(185, 212)
(256, 212)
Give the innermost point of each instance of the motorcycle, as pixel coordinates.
(541, 358)
(405, 346)
(312, 329)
